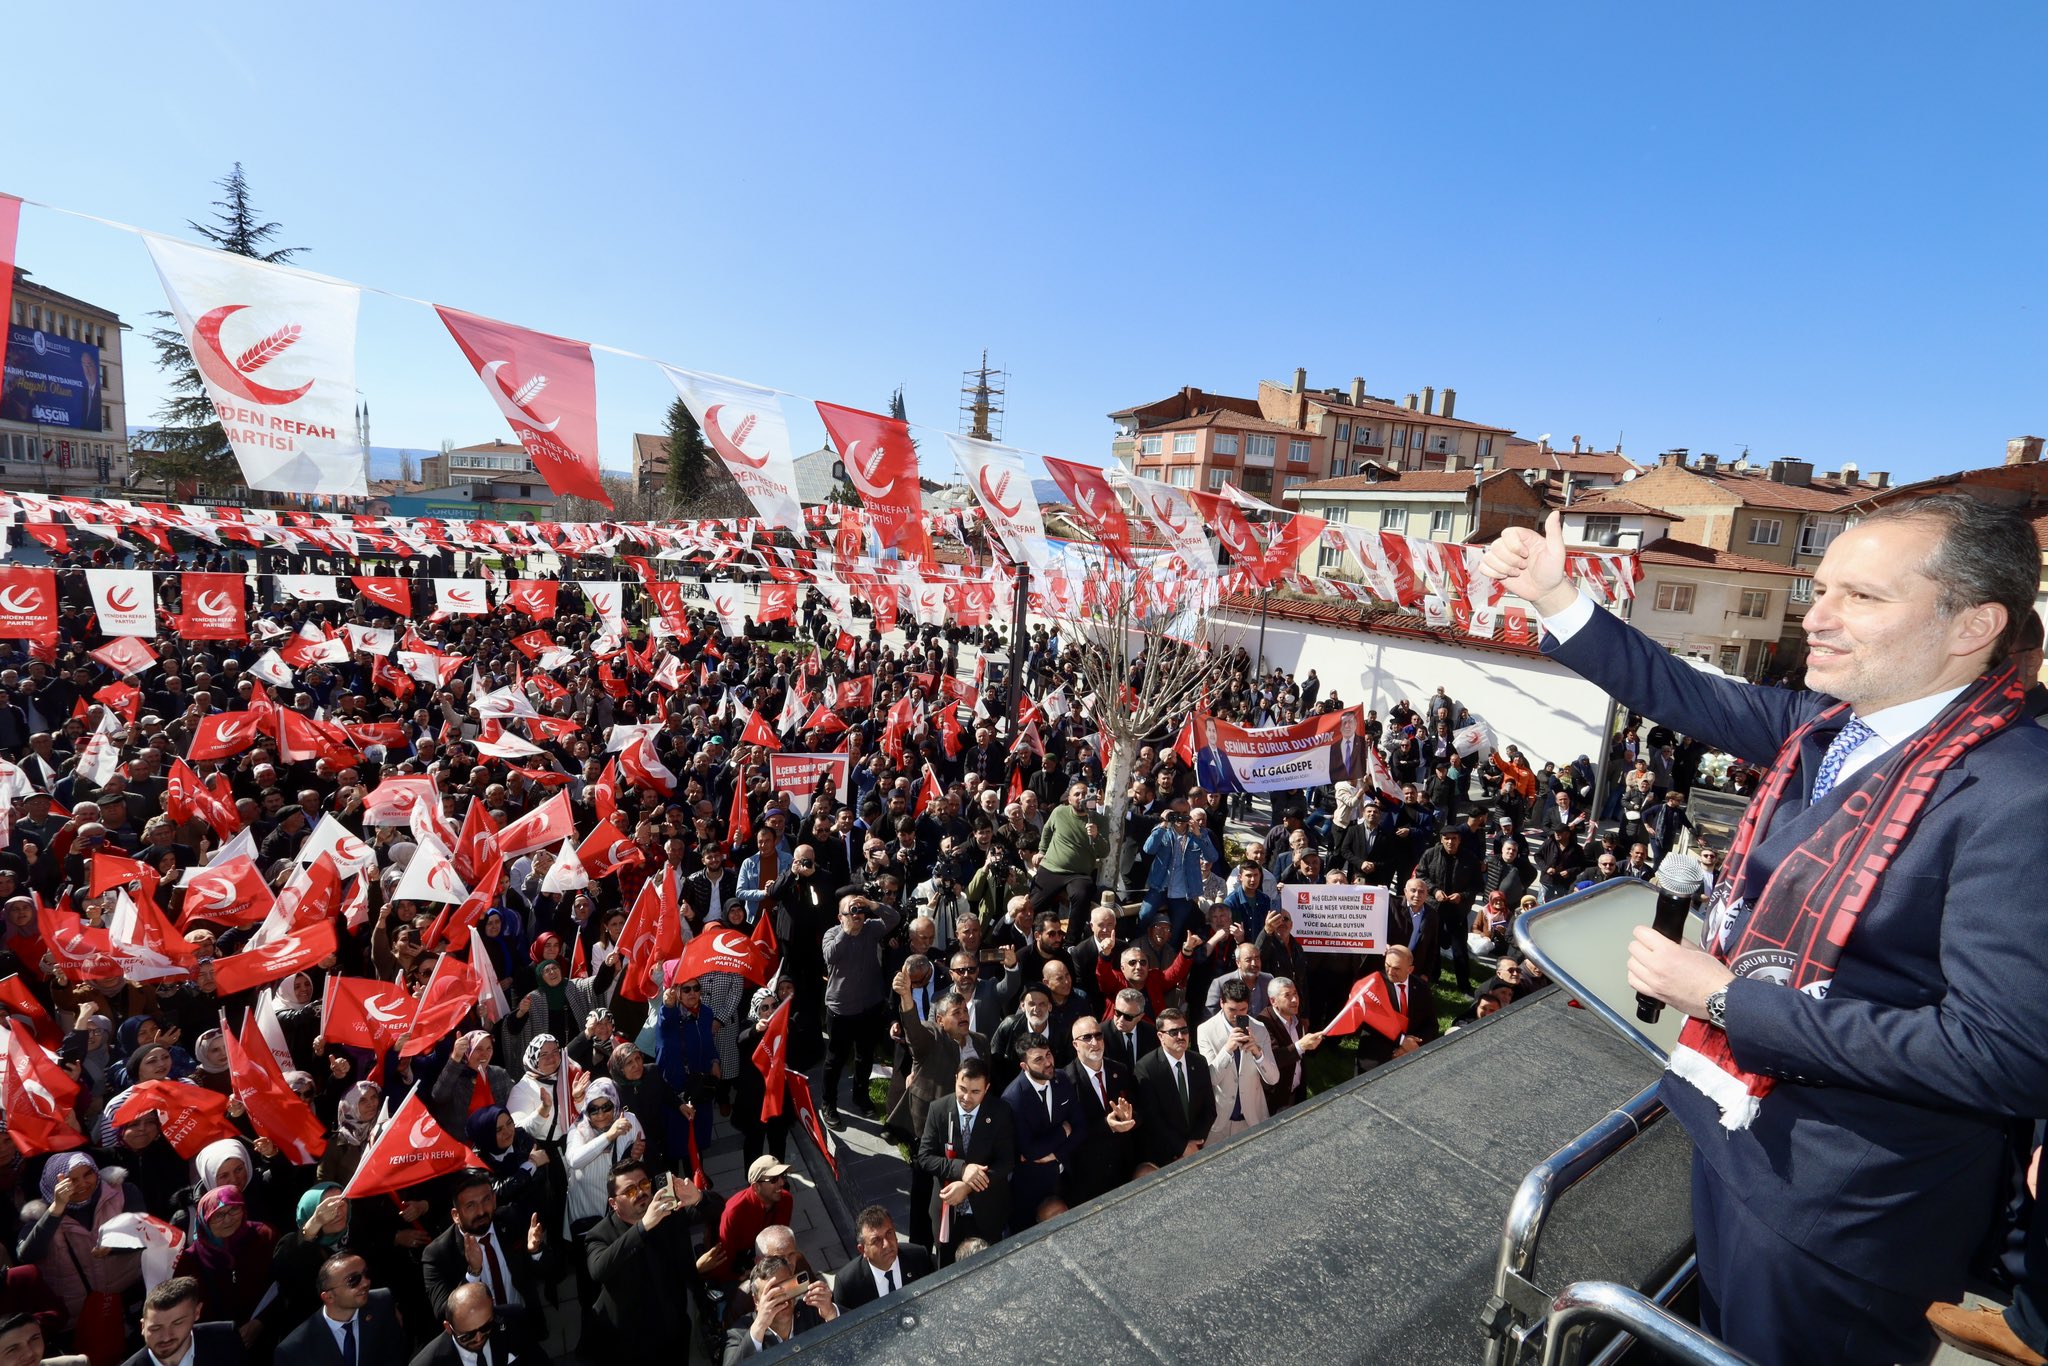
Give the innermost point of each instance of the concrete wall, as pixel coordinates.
(1544, 708)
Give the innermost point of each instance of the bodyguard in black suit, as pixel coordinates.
(472, 1325)
(1048, 1122)
(477, 1245)
(969, 1148)
(1176, 1107)
(171, 1327)
(1105, 1098)
(883, 1258)
(355, 1324)
(643, 1260)
(1867, 1166)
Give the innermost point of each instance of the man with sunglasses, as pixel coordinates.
(472, 1336)
(1175, 1099)
(357, 1324)
(1105, 1092)
(643, 1261)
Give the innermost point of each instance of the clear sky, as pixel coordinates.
(1812, 230)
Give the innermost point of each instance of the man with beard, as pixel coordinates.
(1103, 1090)
(1048, 1128)
(642, 1259)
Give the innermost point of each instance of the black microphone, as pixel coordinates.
(1679, 879)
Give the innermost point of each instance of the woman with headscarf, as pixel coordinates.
(211, 1050)
(62, 1243)
(557, 1005)
(468, 1081)
(354, 1119)
(297, 1006)
(229, 1253)
(757, 1135)
(515, 1164)
(543, 1103)
(498, 949)
(605, 1133)
(662, 1113)
(223, 1162)
(149, 1062)
(98, 1058)
(321, 1228)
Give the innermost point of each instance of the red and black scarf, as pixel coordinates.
(1811, 904)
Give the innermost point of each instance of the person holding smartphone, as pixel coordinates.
(787, 1303)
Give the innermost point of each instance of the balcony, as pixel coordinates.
(1254, 461)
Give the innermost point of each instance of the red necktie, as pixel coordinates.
(496, 1269)
(1401, 999)
(1100, 1094)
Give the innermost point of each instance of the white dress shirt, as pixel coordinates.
(882, 1274)
(190, 1356)
(334, 1326)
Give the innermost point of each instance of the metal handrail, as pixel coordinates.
(1664, 1294)
(1539, 1193)
(1580, 1305)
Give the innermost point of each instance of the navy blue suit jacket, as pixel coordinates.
(1880, 1151)
(1037, 1134)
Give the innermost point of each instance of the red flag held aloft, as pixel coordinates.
(410, 1149)
(771, 1055)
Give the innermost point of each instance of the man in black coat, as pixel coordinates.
(643, 1261)
(472, 1326)
(1451, 886)
(884, 1264)
(350, 1312)
(711, 888)
(805, 909)
(1176, 1105)
(1104, 1091)
(171, 1327)
(479, 1246)
(1410, 992)
(969, 1147)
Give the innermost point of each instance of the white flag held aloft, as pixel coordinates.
(1176, 517)
(277, 349)
(1002, 481)
(745, 425)
(124, 600)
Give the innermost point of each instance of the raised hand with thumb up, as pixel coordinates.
(1532, 566)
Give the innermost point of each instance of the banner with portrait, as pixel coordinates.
(1313, 753)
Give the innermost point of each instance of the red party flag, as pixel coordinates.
(275, 1111)
(723, 950)
(278, 959)
(759, 732)
(771, 1055)
(192, 1115)
(546, 387)
(364, 1013)
(230, 893)
(15, 995)
(394, 595)
(37, 1096)
(222, 736)
(546, 825)
(451, 994)
(800, 1093)
(1369, 1005)
(410, 1148)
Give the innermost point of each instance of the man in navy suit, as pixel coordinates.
(355, 1326)
(1048, 1125)
(1869, 1169)
(172, 1334)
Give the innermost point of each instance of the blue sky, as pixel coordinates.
(1814, 231)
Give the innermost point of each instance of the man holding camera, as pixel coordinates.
(854, 992)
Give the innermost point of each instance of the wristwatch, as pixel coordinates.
(1717, 1009)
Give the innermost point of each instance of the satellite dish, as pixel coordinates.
(1630, 475)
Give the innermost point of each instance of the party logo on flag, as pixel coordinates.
(276, 349)
(546, 388)
(28, 604)
(746, 428)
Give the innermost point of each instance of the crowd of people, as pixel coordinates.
(1050, 1033)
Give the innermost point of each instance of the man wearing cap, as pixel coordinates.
(765, 1201)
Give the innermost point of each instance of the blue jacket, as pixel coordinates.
(1158, 848)
(684, 1047)
(1882, 1148)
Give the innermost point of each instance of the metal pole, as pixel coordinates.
(1264, 594)
(1018, 609)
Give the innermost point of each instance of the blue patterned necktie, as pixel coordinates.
(1839, 750)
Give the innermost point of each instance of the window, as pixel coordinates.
(1218, 478)
(1765, 530)
(1297, 452)
(1674, 597)
(1816, 534)
(1755, 603)
(1440, 522)
(1258, 447)
(1182, 478)
(1183, 443)
(1223, 443)
(1400, 441)
(1294, 481)
(1335, 512)
(1393, 519)
(1485, 447)
(1343, 431)
(1364, 436)
(1802, 590)
(1605, 531)
(1443, 445)
(1329, 555)
(1148, 445)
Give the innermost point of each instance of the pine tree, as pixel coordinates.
(688, 457)
(189, 446)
